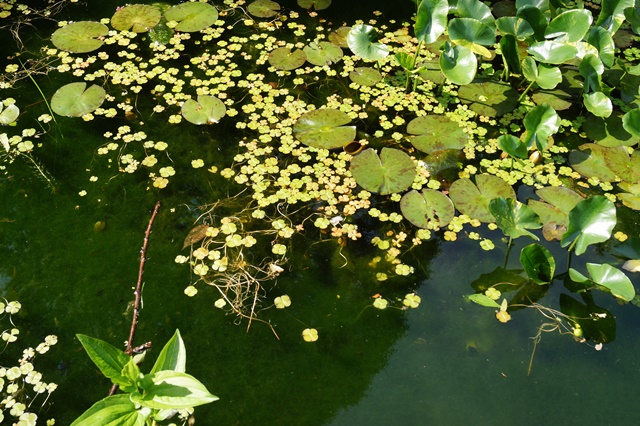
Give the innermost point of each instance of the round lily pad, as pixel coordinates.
(9, 114)
(557, 99)
(138, 18)
(365, 76)
(429, 209)
(316, 4)
(363, 41)
(284, 59)
(80, 37)
(263, 8)
(324, 128)
(624, 166)
(393, 171)
(474, 200)
(72, 100)
(489, 98)
(207, 110)
(192, 17)
(323, 53)
(589, 161)
(435, 133)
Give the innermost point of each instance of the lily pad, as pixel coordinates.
(431, 20)
(590, 222)
(284, 59)
(514, 218)
(138, 18)
(365, 76)
(263, 8)
(557, 99)
(489, 98)
(435, 133)
(324, 128)
(362, 40)
(609, 131)
(192, 17)
(458, 64)
(545, 76)
(316, 4)
(631, 196)
(339, 36)
(569, 26)
(631, 122)
(607, 278)
(474, 200)
(80, 37)
(552, 52)
(626, 167)
(589, 161)
(472, 34)
(207, 110)
(393, 171)
(429, 209)
(9, 114)
(72, 100)
(322, 53)
(540, 123)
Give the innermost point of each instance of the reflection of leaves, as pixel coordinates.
(598, 324)
(503, 280)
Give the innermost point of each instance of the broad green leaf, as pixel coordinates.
(138, 18)
(612, 280)
(633, 17)
(561, 197)
(514, 26)
(477, 10)
(545, 76)
(598, 104)
(322, 53)
(324, 128)
(510, 53)
(624, 166)
(590, 222)
(9, 114)
(428, 209)
(538, 263)
(392, 172)
(542, 5)
(535, 18)
(362, 41)
(116, 410)
(631, 122)
(72, 100)
(435, 133)
(263, 8)
(192, 17)
(474, 200)
(483, 300)
(109, 359)
(602, 40)
(514, 218)
(490, 98)
(472, 34)
(365, 76)
(612, 14)
(513, 146)
(206, 110)
(80, 37)
(130, 374)
(172, 390)
(589, 160)
(610, 131)
(540, 123)
(552, 52)
(591, 68)
(405, 60)
(173, 356)
(431, 20)
(284, 59)
(569, 26)
(316, 4)
(458, 64)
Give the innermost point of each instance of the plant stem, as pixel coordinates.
(41, 94)
(525, 91)
(506, 259)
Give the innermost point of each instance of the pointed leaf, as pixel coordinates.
(483, 300)
(116, 410)
(109, 359)
(172, 390)
(590, 222)
(431, 20)
(538, 263)
(173, 356)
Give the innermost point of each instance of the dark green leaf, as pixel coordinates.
(538, 263)
(513, 146)
(590, 222)
(514, 218)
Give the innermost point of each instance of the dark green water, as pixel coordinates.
(369, 367)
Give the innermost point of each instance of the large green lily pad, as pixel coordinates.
(557, 99)
(284, 59)
(429, 209)
(489, 98)
(557, 202)
(363, 41)
(316, 4)
(609, 131)
(138, 18)
(474, 200)
(72, 100)
(626, 167)
(80, 37)
(631, 196)
(263, 8)
(514, 218)
(322, 53)
(207, 110)
(192, 17)
(365, 76)
(324, 128)
(590, 222)
(589, 161)
(435, 133)
(393, 171)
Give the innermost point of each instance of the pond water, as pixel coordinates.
(447, 362)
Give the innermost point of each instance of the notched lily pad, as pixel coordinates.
(489, 98)
(316, 4)
(626, 167)
(322, 53)
(393, 171)
(589, 161)
(365, 76)
(429, 209)
(436, 133)
(207, 110)
(609, 131)
(192, 17)
(80, 37)
(72, 100)
(324, 128)
(284, 59)
(263, 8)
(138, 18)
(473, 199)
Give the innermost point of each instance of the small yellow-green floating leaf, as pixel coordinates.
(411, 300)
(316, 4)
(310, 334)
(380, 303)
(192, 17)
(284, 59)
(282, 302)
(207, 110)
(138, 18)
(80, 37)
(263, 8)
(72, 100)
(220, 303)
(322, 53)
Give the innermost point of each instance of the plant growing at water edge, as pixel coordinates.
(162, 393)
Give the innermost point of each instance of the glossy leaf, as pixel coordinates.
(538, 263)
(109, 359)
(9, 114)
(477, 10)
(192, 17)
(393, 171)
(602, 40)
(611, 131)
(514, 218)
(173, 356)
(80, 37)
(598, 104)
(72, 100)
(569, 26)
(428, 209)
(590, 222)
(631, 122)
(552, 52)
(540, 123)
(138, 18)
(535, 18)
(431, 20)
(172, 390)
(116, 410)
(365, 76)
(324, 128)
(483, 300)
(284, 59)
(613, 280)
(612, 14)
(591, 68)
(514, 26)
(633, 17)
(545, 76)
(263, 8)
(206, 110)
(472, 34)
(458, 64)
(513, 146)
(474, 200)
(362, 40)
